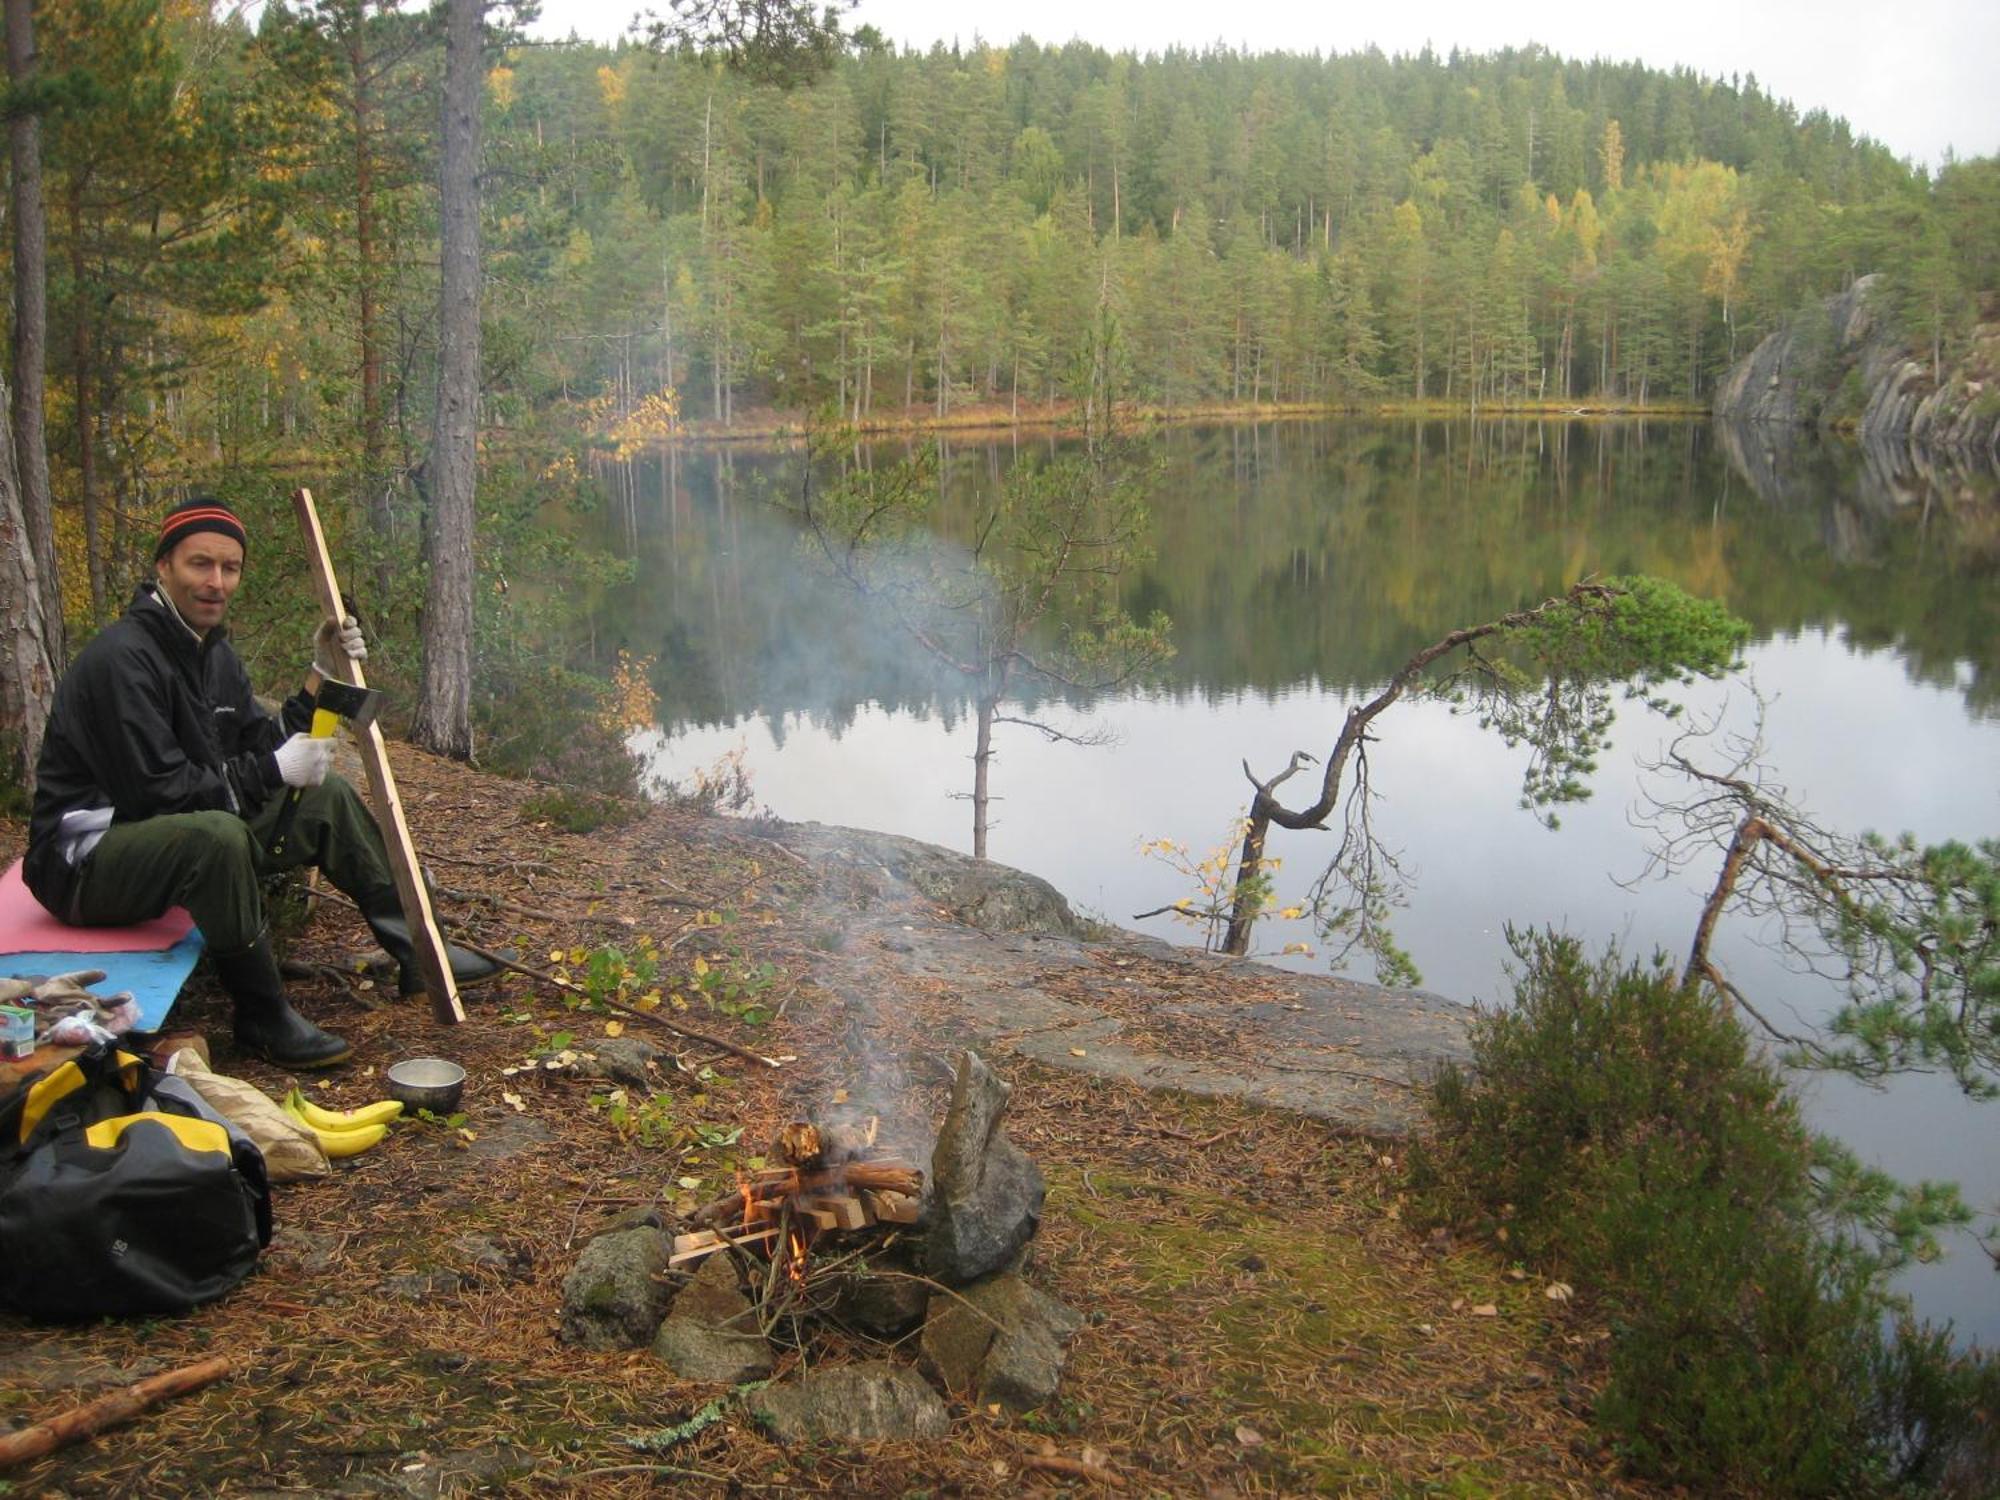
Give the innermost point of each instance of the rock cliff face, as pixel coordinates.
(1840, 368)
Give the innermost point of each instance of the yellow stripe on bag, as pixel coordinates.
(45, 1093)
(196, 1135)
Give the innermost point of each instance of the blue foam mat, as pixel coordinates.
(154, 978)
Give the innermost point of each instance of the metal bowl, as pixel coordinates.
(427, 1083)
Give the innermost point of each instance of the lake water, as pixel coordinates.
(1301, 563)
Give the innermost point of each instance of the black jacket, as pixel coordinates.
(148, 721)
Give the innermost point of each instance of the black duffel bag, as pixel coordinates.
(122, 1192)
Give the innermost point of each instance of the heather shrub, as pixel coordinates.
(1619, 1130)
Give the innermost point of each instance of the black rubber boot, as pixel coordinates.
(266, 1024)
(384, 915)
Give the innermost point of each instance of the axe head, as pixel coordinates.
(355, 706)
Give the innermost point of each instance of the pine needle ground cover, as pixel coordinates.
(1260, 1319)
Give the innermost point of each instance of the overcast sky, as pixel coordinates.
(1918, 75)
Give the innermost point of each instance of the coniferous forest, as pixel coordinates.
(242, 233)
(241, 253)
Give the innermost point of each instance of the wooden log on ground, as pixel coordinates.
(108, 1411)
(1074, 1468)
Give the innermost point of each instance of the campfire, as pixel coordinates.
(843, 1235)
(833, 1182)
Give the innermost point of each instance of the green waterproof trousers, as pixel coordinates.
(214, 864)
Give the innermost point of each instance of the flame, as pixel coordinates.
(749, 1203)
(795, 1244)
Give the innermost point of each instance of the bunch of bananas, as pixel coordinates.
(343, 1132)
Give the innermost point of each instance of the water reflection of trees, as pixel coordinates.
(1325, 553)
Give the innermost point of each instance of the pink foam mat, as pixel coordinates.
(26, 928)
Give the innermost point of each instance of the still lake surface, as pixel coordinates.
(1301, 563)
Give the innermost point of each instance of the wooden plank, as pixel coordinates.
(699, 1252)
(410, 890)
(847, 1210)
(818, 1212)
(896, 1208)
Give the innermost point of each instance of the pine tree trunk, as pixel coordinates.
(1246, 902)
(982, 761)
(31, 316)
(27, 660)
(374, 486)
(86, 411)
(1420, 351)
(444, 695)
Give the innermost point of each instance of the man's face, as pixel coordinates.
(199, 575)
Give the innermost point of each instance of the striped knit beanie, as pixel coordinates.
(203, 513)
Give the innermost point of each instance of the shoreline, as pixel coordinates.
(766, 427)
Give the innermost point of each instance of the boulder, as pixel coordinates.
(999, 1341)
(882, 1307)
(977, 892)
(711, 1334)
(873, 1402)
(612, 1297)
(629, 1060)
(986, 1194)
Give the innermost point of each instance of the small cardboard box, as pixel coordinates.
(17, 1031)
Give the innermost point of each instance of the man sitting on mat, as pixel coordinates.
(161, 783)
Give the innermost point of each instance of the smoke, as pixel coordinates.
(876, 1085)
(746, 622)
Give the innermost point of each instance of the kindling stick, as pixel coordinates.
(108, 1411)
(431, 960)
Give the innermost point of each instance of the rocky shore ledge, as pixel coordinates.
(1841, 367)
(1004, 965)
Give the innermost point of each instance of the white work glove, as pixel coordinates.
(304, 761)
(335, 644)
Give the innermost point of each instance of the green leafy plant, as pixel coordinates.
(735, 989)
(610, 973)
(1214, 895)
(649, 1121)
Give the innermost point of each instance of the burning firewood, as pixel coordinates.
(761, 1194)
(800, 1143)
(827, 1187)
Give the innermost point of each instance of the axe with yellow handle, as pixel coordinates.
(335, 703)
